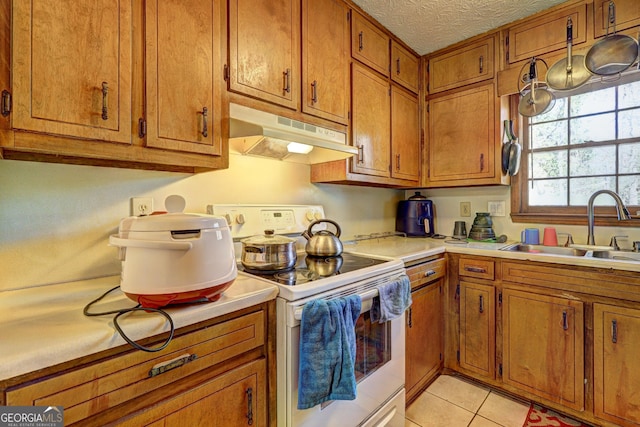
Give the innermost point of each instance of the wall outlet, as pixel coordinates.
(141, 206)
(497, 208)
(465, 208)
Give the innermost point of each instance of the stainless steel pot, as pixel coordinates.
(270, 252)
(323, 242)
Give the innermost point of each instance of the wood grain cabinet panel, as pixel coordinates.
(616, 335)
(71, 68)
(183, 63)
(466, 65)
(547, 33)
(543, 346)
(477, 328)
(325, 59)
(369, 44)
(405, 67)
(627, 15)
(264, 50)
(405, 135)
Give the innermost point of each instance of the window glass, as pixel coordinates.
(583, 188)
(548, 192)
(629, 123)
(592, 161)
(593, 102)
(601, 127)
(548, 164)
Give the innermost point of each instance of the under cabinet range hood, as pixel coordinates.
(258, 133)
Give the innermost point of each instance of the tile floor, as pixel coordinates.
(454, 402)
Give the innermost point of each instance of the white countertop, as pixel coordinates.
(44, 326)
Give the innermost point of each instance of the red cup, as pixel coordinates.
(550, 237)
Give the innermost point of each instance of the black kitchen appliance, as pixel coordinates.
(415, 216)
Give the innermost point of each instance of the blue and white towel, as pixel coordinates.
(328, 351)
(392, 300)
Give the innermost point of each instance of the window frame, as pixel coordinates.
(522, 212)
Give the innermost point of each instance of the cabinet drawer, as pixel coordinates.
(546, 34)
(481, 269)
(426, 272)
(96, 387)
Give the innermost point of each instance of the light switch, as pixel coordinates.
(497, 208)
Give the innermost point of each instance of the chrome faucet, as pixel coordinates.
(623, 213)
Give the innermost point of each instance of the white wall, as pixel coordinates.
(55, 219)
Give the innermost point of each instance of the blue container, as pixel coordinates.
(415, 217)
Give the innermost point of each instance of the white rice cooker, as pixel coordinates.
(175, 258)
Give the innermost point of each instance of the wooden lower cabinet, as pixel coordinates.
(477, 328)
(616, 373)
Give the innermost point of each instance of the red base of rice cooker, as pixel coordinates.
(161, 300)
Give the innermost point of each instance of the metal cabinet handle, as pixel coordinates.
(6, 103)
(410, 318)
(287, 77)
(163, 367)
(249, 406)
(361, 153)
(481, 162)
(473, 269)
(481, 304)
(565, 321)
(205, 113)
(397, 162)
(314, 92)
(398, 66)
(360, 39)
(429, 273)
(614, 331)
(481, 64)
(105, 92)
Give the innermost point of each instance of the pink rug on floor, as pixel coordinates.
(543, 417)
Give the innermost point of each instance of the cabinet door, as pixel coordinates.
(477, 328)
(236, 398)
(462, 138)
(423, 337)
(547, 33)
(371, 127)
(183, 94)
(463, 66)
(627, 15)
(264, 50)
(71, 68)
(325, 59)
(369, 44)
(405, 135)
(543, 346)
(405, 67)
(616, 335)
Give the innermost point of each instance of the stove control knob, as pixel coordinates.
(309, 216)
(317, 216)
(228, 218)
(240, 219)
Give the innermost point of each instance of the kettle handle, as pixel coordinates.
(335, 224)
(114, 240)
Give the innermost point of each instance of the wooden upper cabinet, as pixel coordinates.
(616, 336)
(547, 33)
(371, 127)
(264, 50)
(627, 15)
(469, 64)
(405, 67)
(543, 346)
(71, 68)
(405, 135)
(462, 138)
(183, 84)
(369, 44)
(325, 59)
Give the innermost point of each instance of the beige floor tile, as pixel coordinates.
(479, 421)
(431, 411)
(504, 410)
(409, 423)
(459, 392)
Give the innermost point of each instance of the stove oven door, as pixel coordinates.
(380, 371)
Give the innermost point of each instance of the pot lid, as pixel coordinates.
(268, 238)
(172, 222)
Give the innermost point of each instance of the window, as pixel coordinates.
(588, 141)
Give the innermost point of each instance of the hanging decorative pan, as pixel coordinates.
(571, 72)
(535, 98)
(614, 53)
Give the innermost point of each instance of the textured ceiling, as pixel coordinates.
(429, 25)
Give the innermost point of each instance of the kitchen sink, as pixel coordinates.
(540, 249)
(619, 255)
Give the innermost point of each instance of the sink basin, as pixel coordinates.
(619, 255)
(540, 249)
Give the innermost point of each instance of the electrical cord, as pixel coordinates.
(123, 311)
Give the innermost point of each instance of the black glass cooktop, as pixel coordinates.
(309, 268)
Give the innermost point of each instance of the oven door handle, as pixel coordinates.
(367, 302)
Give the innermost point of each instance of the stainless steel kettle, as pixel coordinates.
(323, 242)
